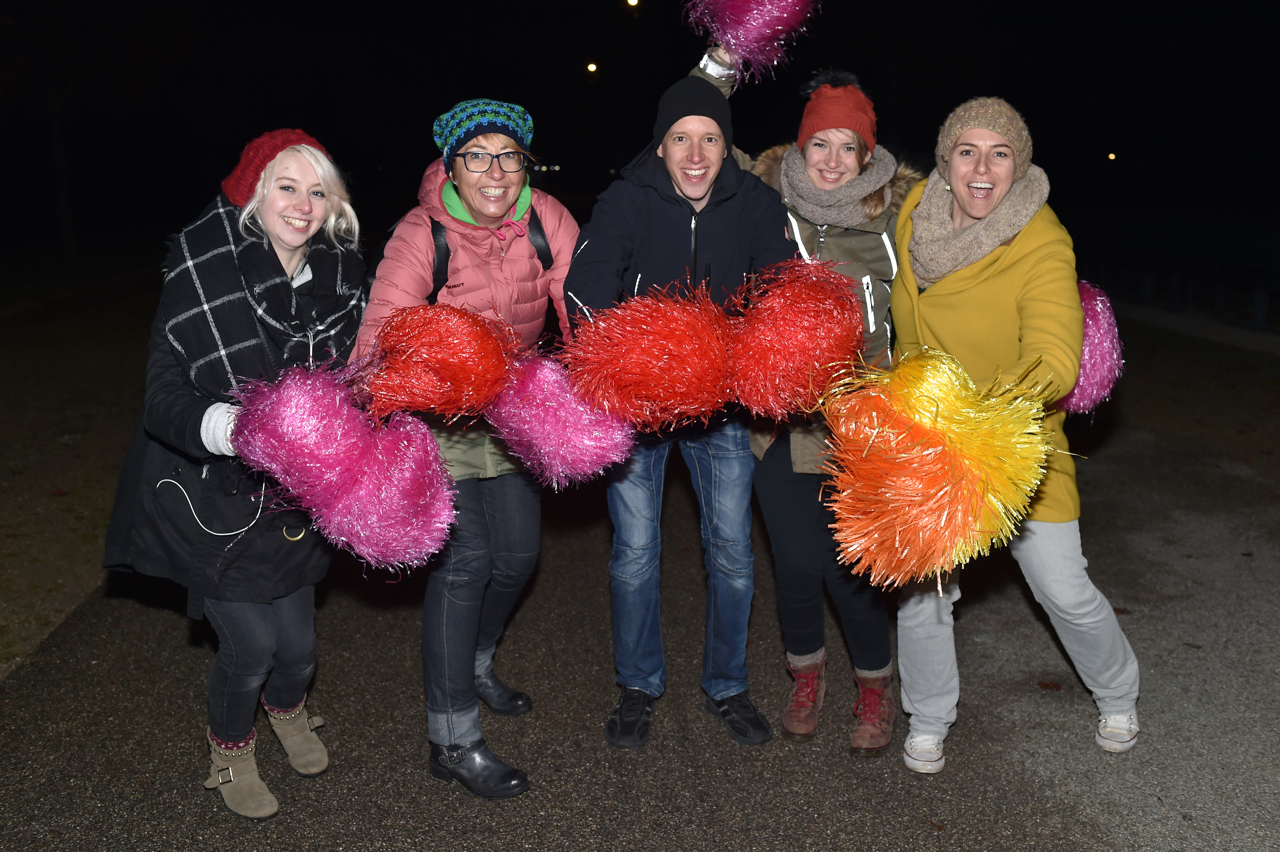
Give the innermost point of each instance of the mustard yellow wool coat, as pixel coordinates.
(996, 316)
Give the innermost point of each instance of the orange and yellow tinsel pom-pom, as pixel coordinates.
(928, 471)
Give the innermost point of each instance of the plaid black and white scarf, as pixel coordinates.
(232, 314)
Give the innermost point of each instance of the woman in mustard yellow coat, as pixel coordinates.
(988, 275)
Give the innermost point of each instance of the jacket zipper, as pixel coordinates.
(693, 250)
(866, 292)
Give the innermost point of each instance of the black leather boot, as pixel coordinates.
(500, 698)
(477, 769)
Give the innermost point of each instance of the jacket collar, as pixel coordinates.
(648, 170)
(432, 198)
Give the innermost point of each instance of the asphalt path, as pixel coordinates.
(101, 726)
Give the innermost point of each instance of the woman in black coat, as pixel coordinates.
(267, 277)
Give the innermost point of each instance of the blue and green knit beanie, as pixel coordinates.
(470, 119)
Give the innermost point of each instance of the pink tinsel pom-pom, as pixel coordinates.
(382, 493)
(399, 505)
(657, 361)
(755, 31)
(559, 437)
(305, 430)
(1102, 358)
(802, 323)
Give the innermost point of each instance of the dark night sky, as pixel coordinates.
(155, 103)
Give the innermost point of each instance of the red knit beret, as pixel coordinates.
(256, 156)
(839, 106)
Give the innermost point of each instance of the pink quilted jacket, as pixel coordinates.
(488, 275)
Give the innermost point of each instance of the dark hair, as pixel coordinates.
(828, 77)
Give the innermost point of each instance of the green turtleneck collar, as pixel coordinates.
(454, 207)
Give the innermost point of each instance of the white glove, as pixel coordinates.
(215, 428)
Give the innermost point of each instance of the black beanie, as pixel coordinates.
(693, 96)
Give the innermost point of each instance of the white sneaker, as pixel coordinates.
(1118, 732)
(923, 753)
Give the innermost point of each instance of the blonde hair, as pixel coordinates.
(340, 217)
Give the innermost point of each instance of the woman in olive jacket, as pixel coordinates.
(988, 275)
(842, 194)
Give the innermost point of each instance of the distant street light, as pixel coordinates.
(1111, 156)
(633, 2)
(591, 66)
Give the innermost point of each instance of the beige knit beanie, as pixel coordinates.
(992, 114)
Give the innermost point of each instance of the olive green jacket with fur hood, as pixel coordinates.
(863, 252)
(866, 254)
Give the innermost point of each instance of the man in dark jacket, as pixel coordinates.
(683, 210)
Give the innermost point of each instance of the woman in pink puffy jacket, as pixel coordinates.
(482, 240)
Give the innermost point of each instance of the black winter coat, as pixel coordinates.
(644, 235)
(181, 512)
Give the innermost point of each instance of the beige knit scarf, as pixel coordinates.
(841, 206)
(938, 249)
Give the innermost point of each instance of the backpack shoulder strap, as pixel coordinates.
(538, 238)
(440, 264)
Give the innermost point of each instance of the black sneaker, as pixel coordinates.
(746, 724)
(628, 725)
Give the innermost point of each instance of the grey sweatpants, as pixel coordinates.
(1054, 565)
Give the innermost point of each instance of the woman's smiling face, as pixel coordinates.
(294, 208)
(488, 195)
(831, 158)
(980, 173)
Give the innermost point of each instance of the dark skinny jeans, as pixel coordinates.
(804, 556)
(473, 586)
(259, 643)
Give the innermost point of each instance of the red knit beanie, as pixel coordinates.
(839, 106)
(256, 156)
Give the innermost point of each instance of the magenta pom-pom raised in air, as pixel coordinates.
(757, 32)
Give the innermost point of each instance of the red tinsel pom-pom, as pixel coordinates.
(657, 361)
(439, 358)
(801, 323)
(755, 31)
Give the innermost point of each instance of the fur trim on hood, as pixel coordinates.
(768, 167)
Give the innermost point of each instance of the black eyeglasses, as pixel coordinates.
(482, 161)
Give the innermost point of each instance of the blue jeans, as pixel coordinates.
(259, 643)
(720, 461)
(473, 586)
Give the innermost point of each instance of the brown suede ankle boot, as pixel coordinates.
(874, 715)
(235, 775)
(800, 718)
(296, 730)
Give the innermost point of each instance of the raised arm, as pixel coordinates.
(717, 67)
